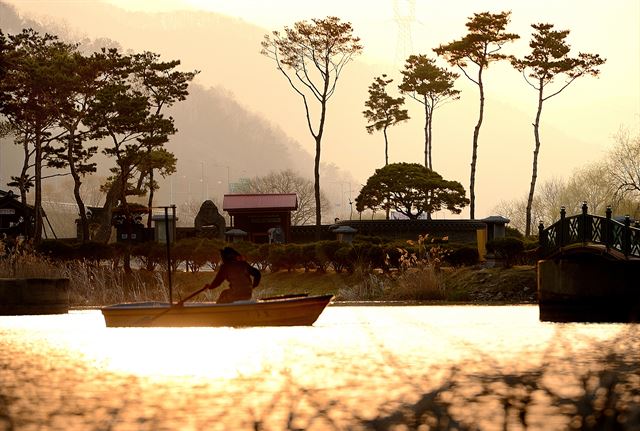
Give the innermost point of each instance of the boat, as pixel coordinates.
(288, 310)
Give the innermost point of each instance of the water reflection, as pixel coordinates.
(355, 366)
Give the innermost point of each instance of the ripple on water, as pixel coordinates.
(353, 365)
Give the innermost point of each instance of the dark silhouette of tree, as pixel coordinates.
(34, 92)
(164, 86)
(431, 86)
(383, 110)
(86, 75)
(480, 46)
(410, 189)
(311, 56)
(549, 59)
(122, 113)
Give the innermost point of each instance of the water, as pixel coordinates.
(356, 368)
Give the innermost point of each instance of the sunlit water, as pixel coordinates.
(356, 364)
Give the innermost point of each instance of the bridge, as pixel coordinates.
(590, 269)
(619, 240)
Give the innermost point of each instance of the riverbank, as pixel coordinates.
(98, 285)
(516, 285)
(467, 285)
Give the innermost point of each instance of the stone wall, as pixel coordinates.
(458, 231)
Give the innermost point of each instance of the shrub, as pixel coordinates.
(462, 256)
(149, 253)
(285, 256)
(94, 251)
(368, 239)
(513, 232)
(194, 252)
(258, 256)
(55, 249)
(308, 258)
(325, 253)
(343, 258)
(508, 248)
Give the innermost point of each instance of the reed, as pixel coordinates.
(421, 283)
(90, 284)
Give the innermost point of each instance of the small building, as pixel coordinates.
(256, 214)
(345, 233)
(163, 223)
(496, 226)
(16, 218)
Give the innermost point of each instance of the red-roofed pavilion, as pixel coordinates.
(257, 213)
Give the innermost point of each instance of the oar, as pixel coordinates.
(145, 320)
(290, 295)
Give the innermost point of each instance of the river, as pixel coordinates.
(358, 367)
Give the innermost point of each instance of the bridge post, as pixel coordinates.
(542, 236)
(607, 230)
(626, 236)
(585, 223)
(562, 225)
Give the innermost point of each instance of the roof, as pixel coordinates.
(11, 200)
(345, 229)
(275, 201)
(496, 219)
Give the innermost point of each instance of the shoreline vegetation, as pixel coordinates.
(94, 285)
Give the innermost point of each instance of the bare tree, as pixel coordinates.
(311, 56)
(624, 164)
(288, 181)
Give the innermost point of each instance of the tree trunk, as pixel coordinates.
(474, 153)
(430, 137)
(37, 205)
(386, 146)
(24, 173)
(316, 188)
(534, 170)
(104, 232)
(150, 201)
(426, 133)
(316, 168)
(84, 222)
(386, 162)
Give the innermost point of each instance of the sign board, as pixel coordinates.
(6, 211)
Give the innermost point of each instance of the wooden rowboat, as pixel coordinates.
(284, 311)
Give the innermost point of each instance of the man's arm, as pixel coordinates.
(219, 278)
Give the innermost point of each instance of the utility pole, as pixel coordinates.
(404, 14)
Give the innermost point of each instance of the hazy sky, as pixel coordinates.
(577, 125)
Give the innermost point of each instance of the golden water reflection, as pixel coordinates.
(355, 360)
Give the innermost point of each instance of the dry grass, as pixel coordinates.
(422, 284)
(28, 266)
(89, 283)
(92, 284)
(414, 284)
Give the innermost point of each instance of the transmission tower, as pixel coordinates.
(404, 14)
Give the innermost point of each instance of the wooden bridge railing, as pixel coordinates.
(586, 228)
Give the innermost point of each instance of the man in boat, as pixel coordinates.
(242, 277)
